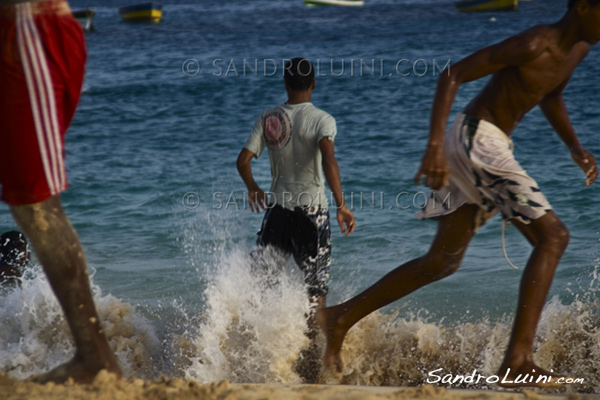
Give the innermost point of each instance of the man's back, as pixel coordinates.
(292, 133)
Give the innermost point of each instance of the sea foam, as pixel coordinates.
(35, 336)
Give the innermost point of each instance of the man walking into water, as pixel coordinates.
(300, 140)
(42, 59)
(475, 164)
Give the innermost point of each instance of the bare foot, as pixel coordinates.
(530, 375)
(79, 371)
(334, 334)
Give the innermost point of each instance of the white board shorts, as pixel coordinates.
(483, 171)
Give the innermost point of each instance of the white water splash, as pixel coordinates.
(250, 332)
(35, 337)
(388, 350)
(254, 323)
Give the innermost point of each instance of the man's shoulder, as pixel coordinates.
(528, 46)
(305, 110)
(318, 113)
(536, 38)
(540, 38)
(277, 108)
(541, 31)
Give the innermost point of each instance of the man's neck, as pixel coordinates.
(292, 102)
(299, 97)
(569, 31)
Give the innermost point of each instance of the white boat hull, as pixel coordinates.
(342, 3)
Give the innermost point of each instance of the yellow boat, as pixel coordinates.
(151, 12)
(486, 5)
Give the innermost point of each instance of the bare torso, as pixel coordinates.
(514, 90)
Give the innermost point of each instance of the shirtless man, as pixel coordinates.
(42, 59)
(475, 164)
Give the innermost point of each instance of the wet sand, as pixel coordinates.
(106, 387)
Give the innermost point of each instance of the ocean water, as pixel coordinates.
(161, 212)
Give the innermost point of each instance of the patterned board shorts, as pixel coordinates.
(305, 233)
(483, 171)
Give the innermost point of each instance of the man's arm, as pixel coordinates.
(345, 217)
(256, 197)
(554, 108)
(516, 50)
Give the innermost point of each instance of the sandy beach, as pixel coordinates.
(106, 387)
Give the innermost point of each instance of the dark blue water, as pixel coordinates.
(150, 129)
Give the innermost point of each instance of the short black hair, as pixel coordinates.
(299, 73)
(590, 2)
(12, 244)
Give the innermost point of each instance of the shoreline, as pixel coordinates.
(106, 387)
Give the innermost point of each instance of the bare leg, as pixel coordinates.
(58, 249)
(549, 237)
(443, 258)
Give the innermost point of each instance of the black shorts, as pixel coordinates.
(305, 233)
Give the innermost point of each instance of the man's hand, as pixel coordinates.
(434, 167)
(587, 163)
(345, 219)
(257, 199)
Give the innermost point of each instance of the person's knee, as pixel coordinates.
(40, 217)
(554, 237)
(555, 240)
(440, 265)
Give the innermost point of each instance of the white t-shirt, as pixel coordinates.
(292, 133)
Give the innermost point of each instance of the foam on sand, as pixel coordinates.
(106, 387)
(253, 324)
(35, 337)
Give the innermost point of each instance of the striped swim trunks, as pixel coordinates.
(42, 61)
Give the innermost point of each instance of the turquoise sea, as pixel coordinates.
(160, 209)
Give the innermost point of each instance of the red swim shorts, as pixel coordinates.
(42, 61)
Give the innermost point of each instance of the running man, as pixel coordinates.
(300, 140)
(42, 60)
(475, 164)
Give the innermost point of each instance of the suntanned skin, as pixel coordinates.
(258, 199)
(528, 69)
(57, 247)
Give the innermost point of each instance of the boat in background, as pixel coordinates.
(85, 18)
(342, 3)
(145, 12)
(486, 5)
